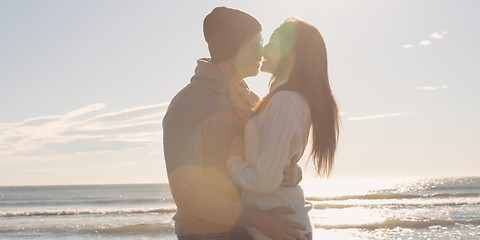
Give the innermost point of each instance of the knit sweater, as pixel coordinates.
(198, 129)
(274, 138)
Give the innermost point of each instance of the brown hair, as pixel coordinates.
(309, 77)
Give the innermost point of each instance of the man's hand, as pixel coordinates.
(292, 175)
(274, 224)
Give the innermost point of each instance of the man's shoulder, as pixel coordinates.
(194, 101)
(193, 94)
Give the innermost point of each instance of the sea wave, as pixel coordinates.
(322, 206)
(454, 187)
(144, 229)
(135, 229)
(376, 196)
(399, 223)
(63, 212)
(56, 202)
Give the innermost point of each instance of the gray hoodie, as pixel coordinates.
(198, 128)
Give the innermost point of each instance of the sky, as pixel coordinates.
(84, 85)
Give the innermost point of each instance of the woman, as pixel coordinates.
(277, 134)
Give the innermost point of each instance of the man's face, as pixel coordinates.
(249, 57)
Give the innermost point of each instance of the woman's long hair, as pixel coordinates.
(309, 77)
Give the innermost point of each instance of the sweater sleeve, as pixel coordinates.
(276, 138)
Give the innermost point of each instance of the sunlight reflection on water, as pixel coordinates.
(394, 208)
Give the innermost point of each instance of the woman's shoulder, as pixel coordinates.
(287, 97)
(286, 103)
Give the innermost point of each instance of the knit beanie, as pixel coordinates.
(225, 29)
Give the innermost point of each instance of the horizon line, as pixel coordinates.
(161, 183)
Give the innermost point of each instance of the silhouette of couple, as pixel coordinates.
(231, 157)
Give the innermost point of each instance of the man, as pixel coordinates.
(199, 127)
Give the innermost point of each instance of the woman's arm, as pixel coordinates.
(278, 139)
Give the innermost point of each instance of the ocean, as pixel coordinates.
(401, 208)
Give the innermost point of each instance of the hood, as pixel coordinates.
(209, 75)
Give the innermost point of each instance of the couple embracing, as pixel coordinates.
(231, 157)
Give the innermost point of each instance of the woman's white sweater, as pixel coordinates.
(274, 138)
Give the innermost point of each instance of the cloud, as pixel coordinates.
(156, 152)
(53, 137)
(84, 110)
(131, 114)
(45, 120)
(424, 43)
(85, 145)
(427, 88)
(36, 170)
(40, 120)
(431, 88)
(435, 36)
(132, 128)
(379, 116)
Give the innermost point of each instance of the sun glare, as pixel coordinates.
(331, 188)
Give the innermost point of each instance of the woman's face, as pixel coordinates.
(271, 54)
(279, 48)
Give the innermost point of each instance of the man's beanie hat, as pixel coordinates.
(225, 29)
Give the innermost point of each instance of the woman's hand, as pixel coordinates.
(292, 175)
(238, 147)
